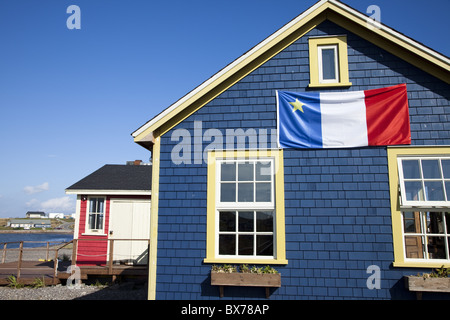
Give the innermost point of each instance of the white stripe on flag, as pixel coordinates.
(343, 119)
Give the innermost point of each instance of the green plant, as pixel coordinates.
(256, 270)
(269, 269)
(226, 268)
(244, 268)
(440, 273)
(13, 283)
(38, 283)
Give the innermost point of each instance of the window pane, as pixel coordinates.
(264, 245)
(227, 192)
(264, 221)
(328, 64)
(227, 244)
(245, 221)
(434, 222)
(411, 222)
(100, 205)
(263, 171)
(447, 190)
(245, 192)
(99, 224)
(414, 247)
(245, 244)
(434, 191)
(446, 168)
(263, 192)
(436, 248)
(411, 169)
(227, 221)
(431, 169)
(245, 171)
(228, 172)
(92, 221)
(414, 190)
(447, 222)
(92, 204)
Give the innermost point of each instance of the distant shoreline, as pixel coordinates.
(36, 231)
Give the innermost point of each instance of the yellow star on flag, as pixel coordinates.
(297, 105)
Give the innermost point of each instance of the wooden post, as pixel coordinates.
(48, 247)
(74, 251)
(111, 249)
(55, 267)
(4, 253)
(19, 263)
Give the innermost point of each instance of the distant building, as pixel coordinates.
(56, 215)
(29, 223)
(35, 214)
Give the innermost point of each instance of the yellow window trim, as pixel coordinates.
(280, 241)
(341, 42)
(397, 234)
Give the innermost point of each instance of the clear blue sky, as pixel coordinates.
(70, 99)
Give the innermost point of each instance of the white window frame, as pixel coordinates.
(335, 48)
(421, 204)
(253, 206)
(88, 213)
(424, 235)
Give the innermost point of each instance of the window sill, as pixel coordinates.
(94, 234)
(420, 264)
(328, 85)
(246, 261)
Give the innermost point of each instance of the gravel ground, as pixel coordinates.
(124, 291)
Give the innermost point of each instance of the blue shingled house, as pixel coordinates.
(348, 222)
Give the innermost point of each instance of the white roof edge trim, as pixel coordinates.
(228, 67)
(109, 192)
(270, 38)
(394, 33)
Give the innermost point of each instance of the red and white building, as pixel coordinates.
(113, 203)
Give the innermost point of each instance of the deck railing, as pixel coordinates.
(53, 246)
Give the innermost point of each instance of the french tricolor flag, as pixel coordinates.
(376, 117)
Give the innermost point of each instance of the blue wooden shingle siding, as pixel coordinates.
(338, 219)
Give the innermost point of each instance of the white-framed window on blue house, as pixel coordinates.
(245, 206)
(425, 204)
(328, 63)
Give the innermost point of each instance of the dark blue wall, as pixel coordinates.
(338, 219)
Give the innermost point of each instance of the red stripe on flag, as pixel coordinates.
(387, 116)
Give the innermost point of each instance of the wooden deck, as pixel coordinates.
(44, 270)
(26, 272)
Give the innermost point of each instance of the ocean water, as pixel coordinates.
(54, 238)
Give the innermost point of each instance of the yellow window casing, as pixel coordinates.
(279, 240)
(397, 228)
(314, 65)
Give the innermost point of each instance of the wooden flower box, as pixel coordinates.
(266, 280)
(429, 284)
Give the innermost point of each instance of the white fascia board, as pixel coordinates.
(392, 32)
(110, 192)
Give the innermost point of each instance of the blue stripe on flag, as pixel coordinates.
(299, 120)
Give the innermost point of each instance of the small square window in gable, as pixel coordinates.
(328, 61)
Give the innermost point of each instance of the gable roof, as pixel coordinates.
(115, 179)
(392, 41)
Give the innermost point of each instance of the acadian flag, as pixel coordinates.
(376, 117)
